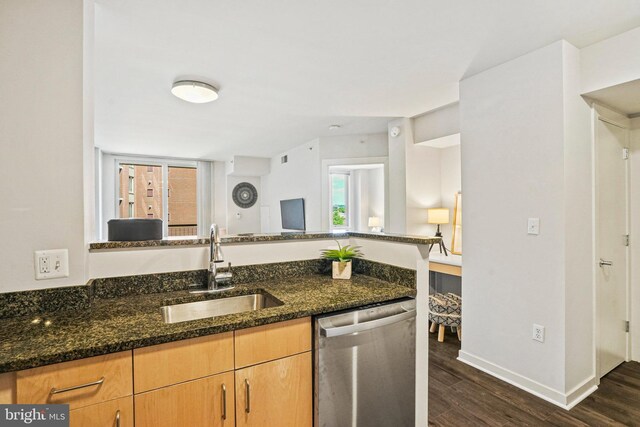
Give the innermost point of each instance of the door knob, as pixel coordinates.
(603, 263)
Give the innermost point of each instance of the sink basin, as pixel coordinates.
(217, 307)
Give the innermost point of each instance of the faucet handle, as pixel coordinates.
(229, 266)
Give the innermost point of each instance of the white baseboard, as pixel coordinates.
(565, 401)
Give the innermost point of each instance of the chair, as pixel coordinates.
(445, 310)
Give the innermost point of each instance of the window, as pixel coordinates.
(183, 207)
(339, 200)
(178, 178)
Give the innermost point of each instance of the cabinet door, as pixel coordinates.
(204, 402)
(114, 413)
(276, 393)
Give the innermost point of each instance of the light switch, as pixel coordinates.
(533, 226)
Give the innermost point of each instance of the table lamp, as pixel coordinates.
(438, 216)
(375, 224)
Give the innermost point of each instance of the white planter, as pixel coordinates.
(341, 270)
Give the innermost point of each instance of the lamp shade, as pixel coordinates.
(438, 216)
(374, 221)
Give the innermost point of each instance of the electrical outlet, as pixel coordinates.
(51, 264)
(538, 332)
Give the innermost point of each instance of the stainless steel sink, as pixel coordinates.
(217, 307)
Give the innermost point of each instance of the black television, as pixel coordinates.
(292, 213)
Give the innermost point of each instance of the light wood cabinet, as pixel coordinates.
(276, 393)
(79, 383)
(114, 413)
(7, 388)
(174, 384)
(184, 383)
(171, 363)
(204, 402)
(269, 342)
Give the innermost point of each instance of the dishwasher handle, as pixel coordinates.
(366, 326)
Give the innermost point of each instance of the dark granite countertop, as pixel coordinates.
(112, 325)
(256, 238)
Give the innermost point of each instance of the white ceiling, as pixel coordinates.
(624, 97)
(288, 69)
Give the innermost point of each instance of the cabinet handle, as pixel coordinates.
(76, 387)
(224, 402)
(247, 389)
(118, 418)
(602, 263)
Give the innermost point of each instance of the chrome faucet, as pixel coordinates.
(214, 277)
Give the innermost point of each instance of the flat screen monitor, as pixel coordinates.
(292, 212)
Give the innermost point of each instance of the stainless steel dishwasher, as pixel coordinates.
(364, 373)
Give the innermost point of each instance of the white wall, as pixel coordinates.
(354, 146)
(240, 220)
(376, 194)
(299, 177)
(41, 139)
(438, 123)
(450, 184)
(302, 176)
(367, 195)
(396, 218)
(520, 123)
(248, 166)
(611, 61)
(578, 223)
(415, 180)
(423, 187)
(220, 195)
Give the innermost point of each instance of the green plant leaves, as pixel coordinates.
(343, 253)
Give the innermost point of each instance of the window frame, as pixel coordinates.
(165, 164)
(347, 191)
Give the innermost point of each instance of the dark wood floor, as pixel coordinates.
(460, 395)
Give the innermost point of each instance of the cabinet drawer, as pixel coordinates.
(79, 383)
(171, 363)
(270, 342)
(114, 413)
(205, 402)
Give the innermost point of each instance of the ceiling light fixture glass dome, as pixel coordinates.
(194, 91)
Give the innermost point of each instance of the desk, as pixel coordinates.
(451, 264)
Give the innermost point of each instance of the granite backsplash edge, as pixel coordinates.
(34, 302)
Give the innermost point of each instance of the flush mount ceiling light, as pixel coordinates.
(194, 91)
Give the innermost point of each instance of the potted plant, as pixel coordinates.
(341, 257)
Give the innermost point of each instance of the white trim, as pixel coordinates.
(606, 115)
(581, 392)
(558, 398)
(165, 163)
(165, 199)
(326, 200)
(594, 248)
(348, 202)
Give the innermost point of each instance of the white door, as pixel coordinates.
(611, 250)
